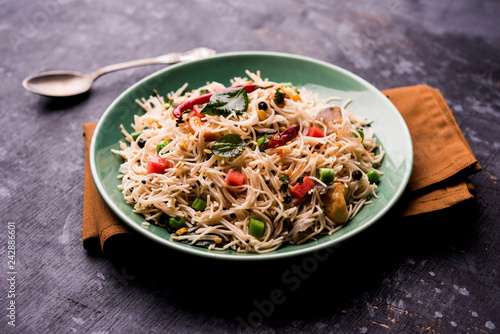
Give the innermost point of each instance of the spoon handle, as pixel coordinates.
(169, 58)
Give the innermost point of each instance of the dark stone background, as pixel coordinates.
(437, 273)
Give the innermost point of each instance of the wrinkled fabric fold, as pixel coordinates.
(99, 222)
(440, 149)
(442, 162)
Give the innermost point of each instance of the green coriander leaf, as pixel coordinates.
(279, 96)
(284, 188)
(261, 142)
(285, 178)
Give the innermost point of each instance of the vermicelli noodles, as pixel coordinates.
(261, 196)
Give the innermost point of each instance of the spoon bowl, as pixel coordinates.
(58, 83)
(69, 83)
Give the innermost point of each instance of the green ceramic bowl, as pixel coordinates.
(325, 79)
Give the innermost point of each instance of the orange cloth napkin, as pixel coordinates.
(442, 161)
(99, 222)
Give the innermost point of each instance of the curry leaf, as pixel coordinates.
(227, 101)
(228, 146)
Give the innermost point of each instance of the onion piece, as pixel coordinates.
(329, 114)
(300, 231)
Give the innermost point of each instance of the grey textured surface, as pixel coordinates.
(433, 274)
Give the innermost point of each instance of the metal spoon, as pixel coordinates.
(68, 83)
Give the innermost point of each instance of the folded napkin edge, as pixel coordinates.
(449, 198)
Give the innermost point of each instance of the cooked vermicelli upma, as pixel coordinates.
(249, 167)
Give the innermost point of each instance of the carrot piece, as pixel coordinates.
(181, 231)
(194, 126)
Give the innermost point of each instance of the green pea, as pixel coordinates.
(373, 176)
(161, 145)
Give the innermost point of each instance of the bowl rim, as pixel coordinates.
(250, 256)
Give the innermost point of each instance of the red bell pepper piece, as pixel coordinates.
(234, 178)
(197, 110)
(283, 137)
(205, 98)
(317, 133)
(300, 190)
(158, 165)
